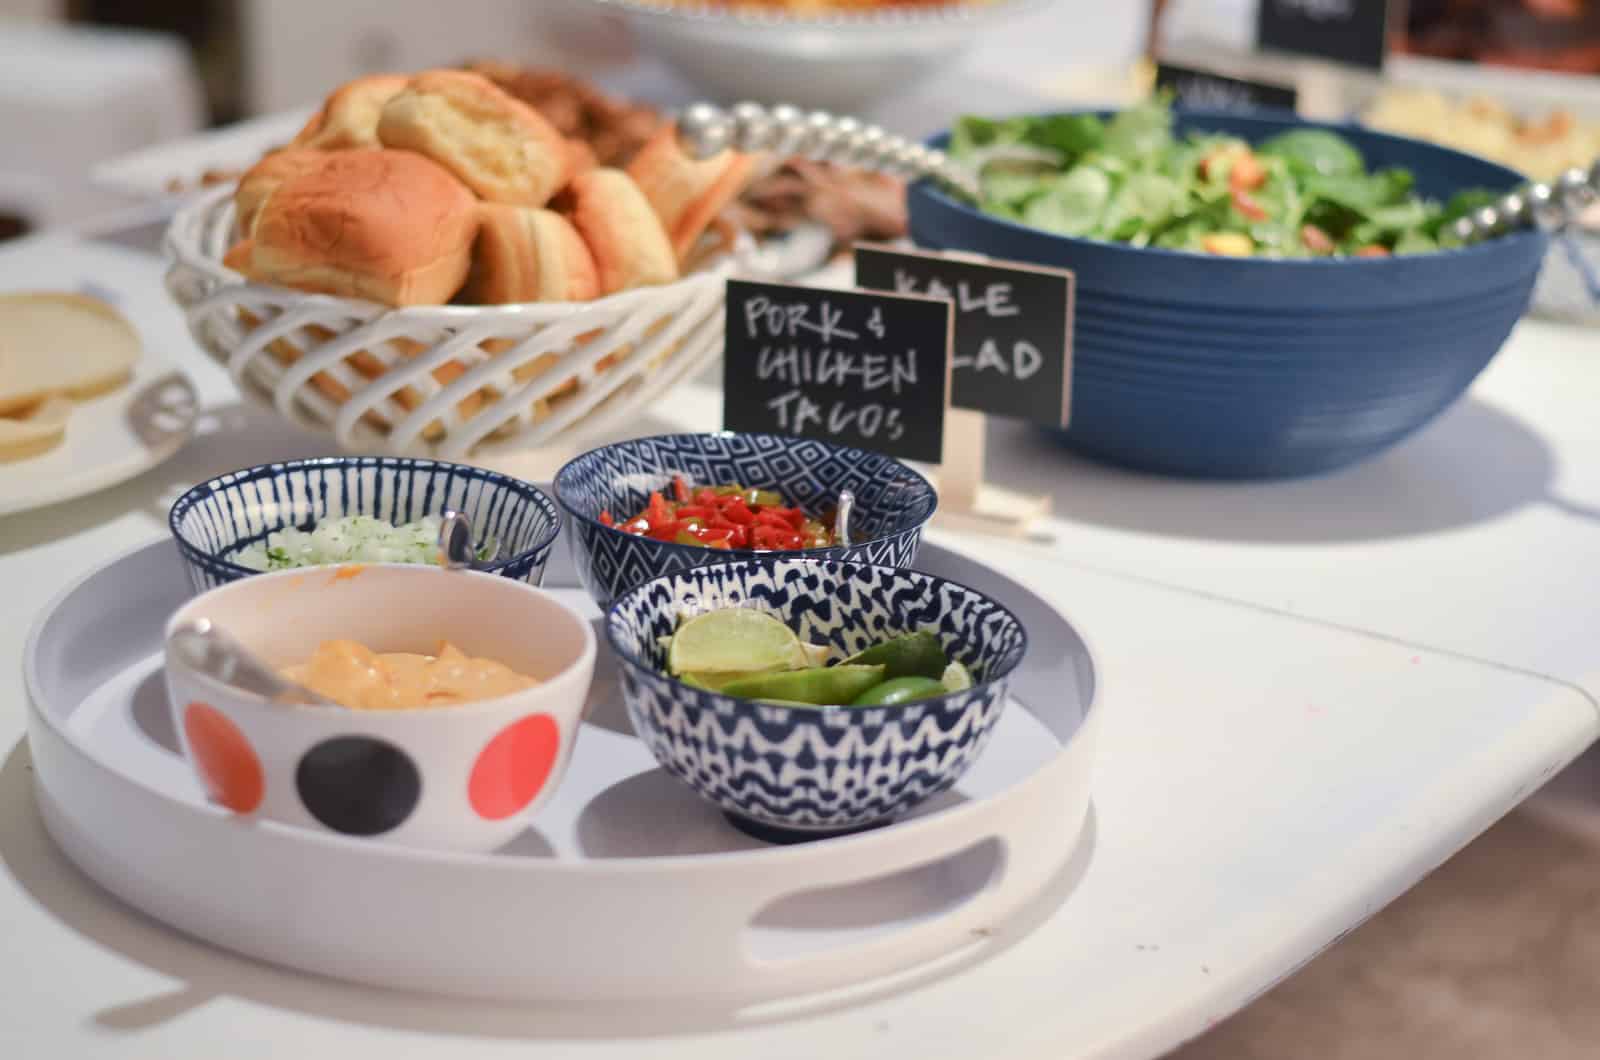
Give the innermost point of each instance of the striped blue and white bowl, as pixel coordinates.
(217, 518)
(893, 503)
(790, 772)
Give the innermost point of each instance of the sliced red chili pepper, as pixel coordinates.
(707, 498)
(766, 517)
(736, 511)
(639, 525)
(606, 520)
(698, 511)
(680, 489)
(710, 536)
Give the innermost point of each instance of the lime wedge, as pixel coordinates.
(899, 690)
(822, 686)
(712, 681)
(956, 678)
(913, 655)
(734, 640)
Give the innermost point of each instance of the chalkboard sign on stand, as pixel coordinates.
(1012, 357)
(1354, 32)
(864, 369)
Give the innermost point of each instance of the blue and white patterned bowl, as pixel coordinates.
(218, 517)
(802, 772)
(893, 502)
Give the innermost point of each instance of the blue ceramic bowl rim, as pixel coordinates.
(1280, 121)
(525, 490)
(612, 619)
(736, 554)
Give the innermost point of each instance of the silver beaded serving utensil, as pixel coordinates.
(1549, 207)
(705, 129)
(786, 131)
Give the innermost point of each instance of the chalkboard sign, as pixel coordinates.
(1013, 340)
(862, 369)
(1345, 31)
(1202, 88)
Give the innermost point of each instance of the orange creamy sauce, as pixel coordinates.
(362, 679)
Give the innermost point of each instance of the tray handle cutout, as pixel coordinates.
(878, 917)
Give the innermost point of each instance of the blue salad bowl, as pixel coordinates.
(799, 772)
(216, 519)
(1198, 365)
(893, 503)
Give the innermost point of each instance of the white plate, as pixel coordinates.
(109, 439)
(626, 886)
(148, 173)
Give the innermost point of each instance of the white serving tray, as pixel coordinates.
(626, 887)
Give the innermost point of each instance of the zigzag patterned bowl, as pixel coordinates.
(789, 773)
(893, 502)
(218, 517)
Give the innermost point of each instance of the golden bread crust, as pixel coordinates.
(627, 239)
(349, 116)
(527, 254)
(498, 146)
(263, 178)
(388, 226)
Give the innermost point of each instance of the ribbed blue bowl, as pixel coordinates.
(1211, 367)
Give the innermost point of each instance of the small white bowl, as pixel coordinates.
(463, 778)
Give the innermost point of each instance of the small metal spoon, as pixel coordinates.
(208, 650)
(841, 518)
(456, 551)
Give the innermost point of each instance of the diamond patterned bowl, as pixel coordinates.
(893, 502)
(787, 773)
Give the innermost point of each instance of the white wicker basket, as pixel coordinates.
(444, 381)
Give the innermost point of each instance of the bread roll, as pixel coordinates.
(581, 158)
(500, 147)
(262, 179)
(525, 254)
(629, 244)
(387, 226)
(687, 194)
(61, 344)
(349, 117)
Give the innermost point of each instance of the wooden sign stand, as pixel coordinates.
(966, 503)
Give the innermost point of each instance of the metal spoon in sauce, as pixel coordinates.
(841, 518)
(203, 647)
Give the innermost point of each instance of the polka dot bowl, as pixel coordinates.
(217, 518)
(787, 773)
(893, 502)
(466, 777)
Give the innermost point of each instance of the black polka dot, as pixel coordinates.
(357, 785)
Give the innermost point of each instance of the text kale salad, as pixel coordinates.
(1303, 193)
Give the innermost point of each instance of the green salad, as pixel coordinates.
(1303, 193)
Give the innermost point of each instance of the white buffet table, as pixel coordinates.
(1314, 693)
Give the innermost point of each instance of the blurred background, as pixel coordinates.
(83, 82)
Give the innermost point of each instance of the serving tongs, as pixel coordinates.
(785, 130)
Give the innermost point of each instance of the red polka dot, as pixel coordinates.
(515, 765)
(227, 763)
